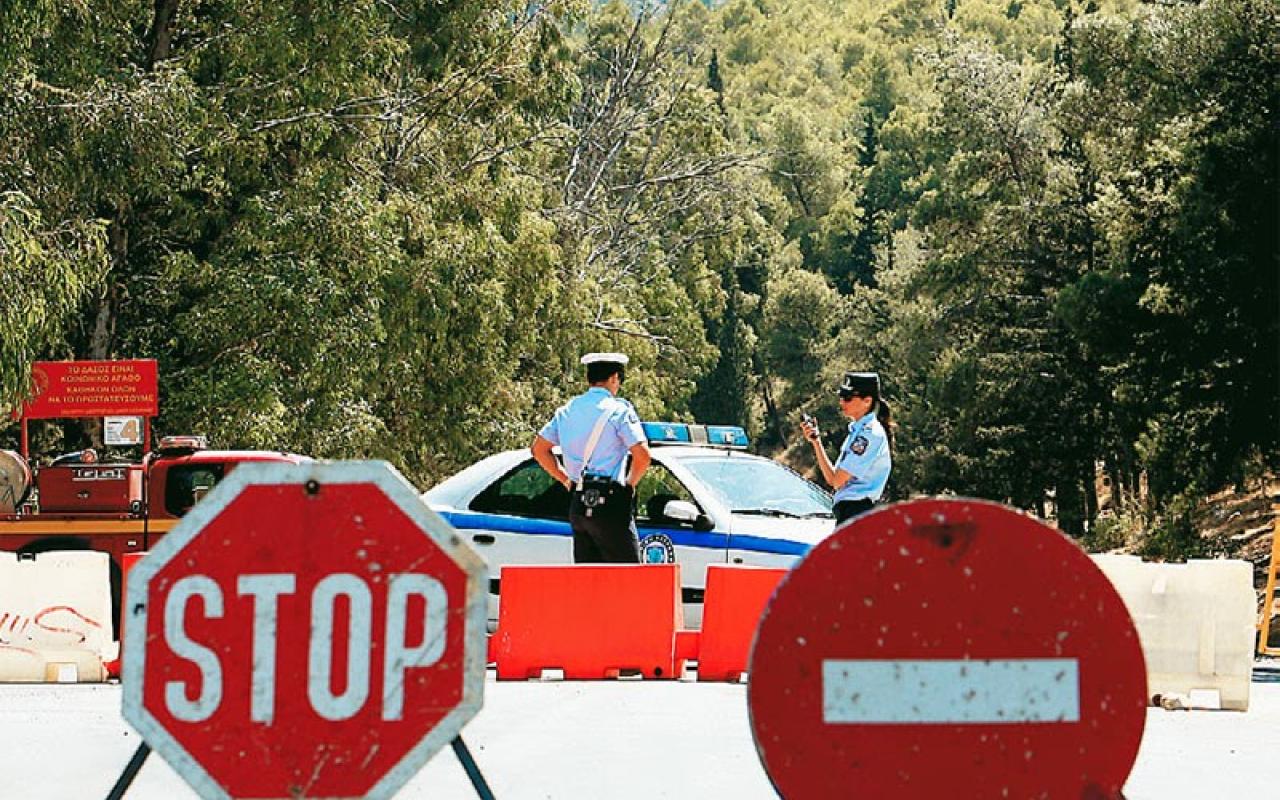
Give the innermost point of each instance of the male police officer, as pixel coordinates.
(596, 431)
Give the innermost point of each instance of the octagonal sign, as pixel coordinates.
(307, 630)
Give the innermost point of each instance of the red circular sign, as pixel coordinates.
(947, 648)
(307, 631)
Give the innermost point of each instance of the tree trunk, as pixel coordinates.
(158, 44)
(773, 422)
(1116, 477)
(160, 37)
(102, 337)
(1090, 473)
(1070, 505)
(104, 323)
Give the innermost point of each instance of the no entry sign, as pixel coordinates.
(307, 631)
(947, 648)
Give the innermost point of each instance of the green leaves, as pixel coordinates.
(45, 272)
(390, 228)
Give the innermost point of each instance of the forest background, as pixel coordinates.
(389, 228)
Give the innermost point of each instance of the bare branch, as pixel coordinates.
(622, 326)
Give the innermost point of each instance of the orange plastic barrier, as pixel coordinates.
(687, 644)
(591, 621)
(114, 668)
(734, 602)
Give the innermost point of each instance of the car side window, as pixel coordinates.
(526, 491)
(188, 484)
(656, 489)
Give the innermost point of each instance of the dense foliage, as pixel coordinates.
(389, 227)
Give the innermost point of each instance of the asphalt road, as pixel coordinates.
(627, 739)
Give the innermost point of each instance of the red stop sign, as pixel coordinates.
(307, 631)
(947, 648)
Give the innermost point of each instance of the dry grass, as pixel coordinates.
(1241, 524)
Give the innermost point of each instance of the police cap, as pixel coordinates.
(861, 384)
(602, 365)
(605, 358)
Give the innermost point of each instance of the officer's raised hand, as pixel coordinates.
(809, 427)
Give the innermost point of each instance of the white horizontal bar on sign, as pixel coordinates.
(941, 691)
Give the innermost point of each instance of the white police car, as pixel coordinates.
(703, 501)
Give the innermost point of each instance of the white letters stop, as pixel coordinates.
(266, 589)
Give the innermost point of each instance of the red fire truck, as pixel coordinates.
(78, 503)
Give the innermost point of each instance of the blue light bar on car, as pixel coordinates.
(727, 436)
(688, 434)
(666, 432)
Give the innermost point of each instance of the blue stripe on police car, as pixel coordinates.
(678, 536)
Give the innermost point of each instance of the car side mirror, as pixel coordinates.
(680, 511)
(684, 511)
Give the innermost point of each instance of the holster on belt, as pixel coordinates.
(593, 492)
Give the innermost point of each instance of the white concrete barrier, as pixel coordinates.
(1196, 624)
(55, 617)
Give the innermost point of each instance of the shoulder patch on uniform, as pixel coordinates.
(859, 445)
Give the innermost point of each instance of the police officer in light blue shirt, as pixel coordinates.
(605, 455)
(862, 468)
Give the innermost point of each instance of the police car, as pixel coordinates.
(704, 500)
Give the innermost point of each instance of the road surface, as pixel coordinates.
(614, 739)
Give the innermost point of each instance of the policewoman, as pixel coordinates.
(862, 468)
(605, 455)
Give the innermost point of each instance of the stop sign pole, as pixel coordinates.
(307, 630)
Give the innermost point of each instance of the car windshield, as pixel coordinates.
(759, 486)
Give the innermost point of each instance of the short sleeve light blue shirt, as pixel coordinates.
(571, 428)
(865, 456)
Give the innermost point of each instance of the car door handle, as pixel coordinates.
(483, 538)
(737, 560)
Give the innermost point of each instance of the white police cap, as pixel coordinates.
(605, 358)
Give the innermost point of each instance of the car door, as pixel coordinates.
(692, 545)
(522, 517)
